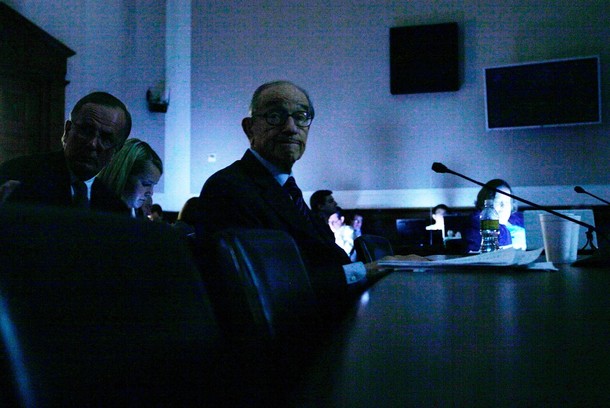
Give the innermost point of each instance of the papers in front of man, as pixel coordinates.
(509, 257)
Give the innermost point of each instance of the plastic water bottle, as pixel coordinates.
(490, 227)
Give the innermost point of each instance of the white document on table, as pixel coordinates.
(509, 257)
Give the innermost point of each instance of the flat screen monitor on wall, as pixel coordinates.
(424, 59)
(561, 92)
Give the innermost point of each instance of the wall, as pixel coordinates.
(375, 149)
(120, 48)
(370, 147)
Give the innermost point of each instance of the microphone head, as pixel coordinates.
(439, 167)
(579, 189)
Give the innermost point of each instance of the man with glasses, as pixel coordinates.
(98, 126)
(259, 191)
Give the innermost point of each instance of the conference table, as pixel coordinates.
(464, 338)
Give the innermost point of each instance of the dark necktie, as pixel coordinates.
(290, 186)
(80, 198)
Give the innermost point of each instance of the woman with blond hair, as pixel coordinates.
(129, 180)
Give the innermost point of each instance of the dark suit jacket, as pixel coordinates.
(245, 195)
(45, 179)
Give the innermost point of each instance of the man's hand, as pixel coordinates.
(7, 188)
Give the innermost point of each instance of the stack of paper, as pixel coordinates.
(509, 257)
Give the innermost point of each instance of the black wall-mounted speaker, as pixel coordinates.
(424, 58)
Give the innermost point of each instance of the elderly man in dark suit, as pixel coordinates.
(98, 126)
(259, 191)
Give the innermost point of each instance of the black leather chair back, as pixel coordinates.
(267, 309)
(371, 248)
(264, 288)
(101, 310)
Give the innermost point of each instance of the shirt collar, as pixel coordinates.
(88, 183)
(275, 171)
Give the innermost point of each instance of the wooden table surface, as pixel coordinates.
(471, 338)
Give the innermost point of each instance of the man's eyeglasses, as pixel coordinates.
(87, 132)
(279, 117)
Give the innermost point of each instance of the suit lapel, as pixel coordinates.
(275, 196)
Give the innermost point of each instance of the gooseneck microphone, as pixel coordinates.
(581, 190)
(441, 168)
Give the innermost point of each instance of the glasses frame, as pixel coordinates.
(284, 115)
(84, 133)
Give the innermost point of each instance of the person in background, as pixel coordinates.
(344, 234)
(185, 222)
(512, 226)
(98, 126)
(438, 215)
(129, 180)
(156, 213)
(260, 191)
(322, 204)
(356, 223)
